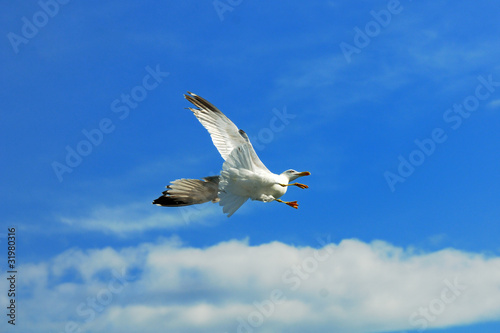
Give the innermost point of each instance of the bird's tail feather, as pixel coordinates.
(185, 192)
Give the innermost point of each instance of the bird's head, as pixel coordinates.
(292, 174)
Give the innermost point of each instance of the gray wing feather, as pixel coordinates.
(185, 192)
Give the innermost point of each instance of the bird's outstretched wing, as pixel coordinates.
(224, 133)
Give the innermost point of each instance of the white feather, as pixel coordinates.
(225, 135)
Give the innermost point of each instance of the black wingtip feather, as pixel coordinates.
(169, 202)
(200, 102)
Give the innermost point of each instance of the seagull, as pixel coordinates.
(243, 174)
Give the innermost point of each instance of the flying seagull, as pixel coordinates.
(243, 175)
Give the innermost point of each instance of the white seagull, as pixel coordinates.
(243, 175)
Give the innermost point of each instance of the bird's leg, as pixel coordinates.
(292, 204)
(302, 186)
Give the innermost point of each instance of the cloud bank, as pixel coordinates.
(232, 286)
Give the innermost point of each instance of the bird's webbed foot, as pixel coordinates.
(302, 186)
(292, 204)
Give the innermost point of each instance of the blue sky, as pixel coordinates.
(392, 106)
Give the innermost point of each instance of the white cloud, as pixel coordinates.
(347, 287)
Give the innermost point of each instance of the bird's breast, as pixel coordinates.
(258, 186)
(272, 187)
(277, 191)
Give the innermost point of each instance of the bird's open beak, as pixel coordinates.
(305, 173)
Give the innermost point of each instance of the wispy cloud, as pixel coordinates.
(139, 217)
(350, 287)
(413, 49)
(494, 104)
